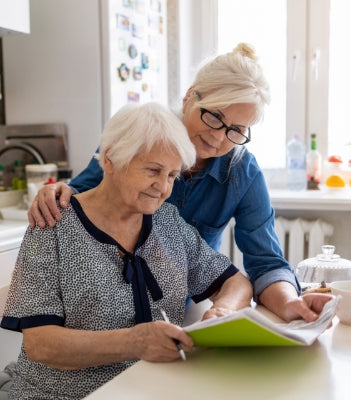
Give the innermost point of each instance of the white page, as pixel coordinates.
(299, 330)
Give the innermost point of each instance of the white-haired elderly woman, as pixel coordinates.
(227, 97)
(87, 293)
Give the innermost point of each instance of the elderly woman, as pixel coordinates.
(227, 97)
(87, 293)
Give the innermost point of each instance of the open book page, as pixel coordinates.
(250, 327)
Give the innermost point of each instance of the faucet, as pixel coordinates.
(27, 148)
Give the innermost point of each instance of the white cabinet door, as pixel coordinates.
(14, 17)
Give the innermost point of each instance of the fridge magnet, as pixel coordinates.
(144, 61)
(122, 22)
(144, 87)
(160, 26)
(133, 97)
(128, 3)
(137, 31)
(121, 44)
(132, 51)
(137, 73)
(123, 72)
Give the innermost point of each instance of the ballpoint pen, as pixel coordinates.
(176, 341)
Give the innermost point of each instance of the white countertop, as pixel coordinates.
(13, 224)
(333, 200)
(11, 234)
(320, 371)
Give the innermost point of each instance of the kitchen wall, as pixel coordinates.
(54, 73)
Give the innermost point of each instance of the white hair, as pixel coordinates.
(137, 128)
(232, 78)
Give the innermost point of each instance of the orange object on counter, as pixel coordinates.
(336, 159)
(335, 181)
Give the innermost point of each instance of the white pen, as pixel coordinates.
(176, 341)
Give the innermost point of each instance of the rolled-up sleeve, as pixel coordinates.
(255, 236)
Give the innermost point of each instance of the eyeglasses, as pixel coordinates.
(237, 134)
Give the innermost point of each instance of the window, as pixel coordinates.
(339, 80)
(301, 46)
(262, 24)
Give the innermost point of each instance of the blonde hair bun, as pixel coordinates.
(246, 50)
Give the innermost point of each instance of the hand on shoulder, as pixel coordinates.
(44, 208)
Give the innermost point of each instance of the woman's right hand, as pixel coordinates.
(44, 209)
(154, 341)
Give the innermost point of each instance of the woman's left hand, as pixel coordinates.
(307, 307)
(281, 298)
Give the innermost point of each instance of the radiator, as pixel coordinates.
(299, 239)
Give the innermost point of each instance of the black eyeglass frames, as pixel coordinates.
(237, 134)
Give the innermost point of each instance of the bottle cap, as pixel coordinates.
(50, 181)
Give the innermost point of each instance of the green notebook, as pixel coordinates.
(249, 327)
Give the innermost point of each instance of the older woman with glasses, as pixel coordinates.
(227, 97)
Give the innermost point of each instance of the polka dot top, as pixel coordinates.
(73, 276)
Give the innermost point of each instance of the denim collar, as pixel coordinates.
(218, 168)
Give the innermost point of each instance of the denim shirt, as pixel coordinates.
(228, 187)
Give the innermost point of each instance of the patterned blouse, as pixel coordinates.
(73, 276)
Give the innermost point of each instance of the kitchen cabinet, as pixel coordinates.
(14, 17)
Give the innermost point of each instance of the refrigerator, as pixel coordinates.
(134, 53)
(81, 62)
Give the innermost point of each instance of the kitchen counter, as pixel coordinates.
(320, 371)
(13, 224)
(11, 234)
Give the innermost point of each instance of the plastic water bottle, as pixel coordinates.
(296, 164)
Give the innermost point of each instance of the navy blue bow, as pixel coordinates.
(137, 272)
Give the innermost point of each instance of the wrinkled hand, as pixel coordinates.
(307, 307)
(153, 341)
(215, 312)
(44, 209)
